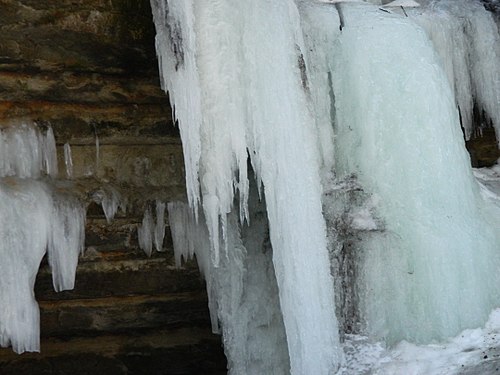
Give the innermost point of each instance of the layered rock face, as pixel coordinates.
(88, 69)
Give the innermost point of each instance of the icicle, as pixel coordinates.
(68, 161)
(110, 200)
(97, 156)
(33, 219)
(145, 232)
(66, 241)
(159, 230)
(26, 152)
(242, 290)
(152, 229)
(25, 217)
(176, 46)
(49, 153)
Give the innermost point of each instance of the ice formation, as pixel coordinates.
(68, 160)
(152, 230)
(252, 324)
(467, 40)
(26, 152)
(473, 351)
(349, 114)
(35, 218)
(110, 200)
(97, 153)
(242, 106)
(159, 229)
(145, 232)
(424, 250)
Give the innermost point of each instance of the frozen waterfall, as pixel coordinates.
(350, 114)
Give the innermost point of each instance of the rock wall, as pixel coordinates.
(88, 69)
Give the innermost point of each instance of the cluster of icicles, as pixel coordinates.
(350, 115)
(39, 214)
(35, 218)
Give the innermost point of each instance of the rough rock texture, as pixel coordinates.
(483, 144)
(88, 69)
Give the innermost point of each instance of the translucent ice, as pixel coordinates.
(397, 130)
(242, 290)
(35, 218)
(467, 40)
(145, 232)
(231, 103)
(110, 200)
(25, 151)
(159, 230)
(317, 96)
(152, 229)
(68, 160)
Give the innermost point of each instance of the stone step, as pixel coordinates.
(167, 352)
(126, 275)
(93, 317)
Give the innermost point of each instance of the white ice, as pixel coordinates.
(397, 129)
(216, 55)
(35, 218)
(110, 200)
(242, 290)
(159, 229)
(467, 40)
(27, 152)
(145, 232)
(473, 351)
(152, 230)
(312, 94)
(243, 106)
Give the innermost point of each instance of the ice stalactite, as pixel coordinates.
(249, 96)
(159, 229)
(176, 47)
(145, 232)
(242, 290)
(66, 240)
(68, 160)
(35, 218)
(110, 200)
(26, 152)
(152, 230)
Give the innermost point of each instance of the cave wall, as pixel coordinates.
(88, 69)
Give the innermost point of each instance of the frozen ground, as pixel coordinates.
(472, 352)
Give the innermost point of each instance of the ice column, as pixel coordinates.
(397, 130)
(237, 79)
